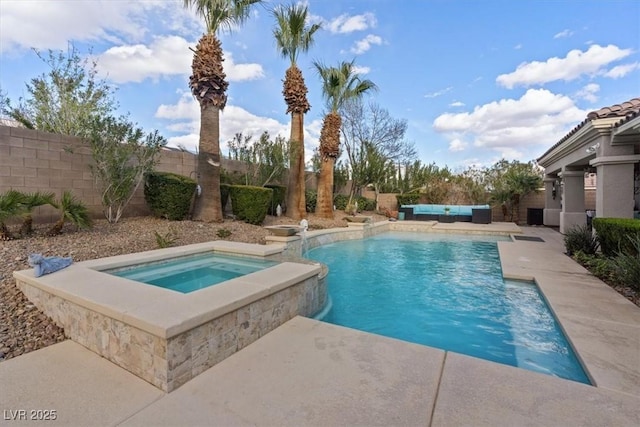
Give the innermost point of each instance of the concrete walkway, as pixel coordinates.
(312, 373)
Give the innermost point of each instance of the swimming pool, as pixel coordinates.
(190, 273)
(446, 292)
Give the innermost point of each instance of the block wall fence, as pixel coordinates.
(39, 161)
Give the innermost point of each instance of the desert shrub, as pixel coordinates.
(580, 238)
(627, 267)
(225, 189)
(11, 206)
(250, 203)
(365, 204)
(600, 266)
(340, 201)
(166, 240)
(408, 198)
(223, 233)
(71, 210)
(613, 235)
(311, 198)
(279, 194)
(169, 195)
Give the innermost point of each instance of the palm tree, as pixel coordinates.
(293, 36)
(339, 85)
(71, 210)
(30, 202)
(208, 85)
(10, 206)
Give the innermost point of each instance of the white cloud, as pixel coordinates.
(165, 56)
(52, 24)
(622, 70)
(185, 115)
(438, 93)
(518, 46)
(456, 104)
(186, 108)
(348, 24)
(589, 92)
(563, 34)
(241, 72)
(457, 145)
(364, 45)
(357, 69)
(513, 127)
(574, 65)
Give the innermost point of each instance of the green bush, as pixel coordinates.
(601, 267)
(365, 204)
(613, 232)
(311, 198)
(249, 203)
(169, 195)
(279, 194)
(627, 267)
(225, 189)
(340, 201)
(580, 238)
(408, 198)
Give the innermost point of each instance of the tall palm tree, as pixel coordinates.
(208, 85)
(292, 37)
(339, 85)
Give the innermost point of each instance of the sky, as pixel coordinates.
(476, 80)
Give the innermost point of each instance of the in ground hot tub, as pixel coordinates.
(168, 337)
(192, 272)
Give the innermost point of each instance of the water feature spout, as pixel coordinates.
(304, 224)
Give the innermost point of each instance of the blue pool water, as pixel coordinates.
(193, 272)
(445, 292)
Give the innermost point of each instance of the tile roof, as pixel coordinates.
(626, 111)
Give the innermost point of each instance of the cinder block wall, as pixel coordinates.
(40, 161)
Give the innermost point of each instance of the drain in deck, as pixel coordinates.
(528, 238)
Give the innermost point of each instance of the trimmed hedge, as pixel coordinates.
(616, 235)
(225, 189)
(340, 201)
(408, 199)
(249, 203)
(310, 199)
(169, 195)
(365, 204)
(279, 194)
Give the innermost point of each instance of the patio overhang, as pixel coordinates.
(607, 142)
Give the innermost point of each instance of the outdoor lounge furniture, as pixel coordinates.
(478, 214)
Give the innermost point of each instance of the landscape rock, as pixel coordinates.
(24, 328)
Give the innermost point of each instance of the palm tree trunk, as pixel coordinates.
(5, 234)
(208, 206)
(324, 206)
(296, 206)
(57, 228)
(27, 225)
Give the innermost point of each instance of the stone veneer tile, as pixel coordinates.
(167, 364)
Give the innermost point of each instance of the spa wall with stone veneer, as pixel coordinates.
(169, 363)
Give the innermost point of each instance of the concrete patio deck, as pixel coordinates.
(312, 373)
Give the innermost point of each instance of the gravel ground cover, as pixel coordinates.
(24, 328)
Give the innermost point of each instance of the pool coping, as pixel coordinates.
(346, 375)
(602, 326)
(162, 312)
(168, 337)
(607, 358)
